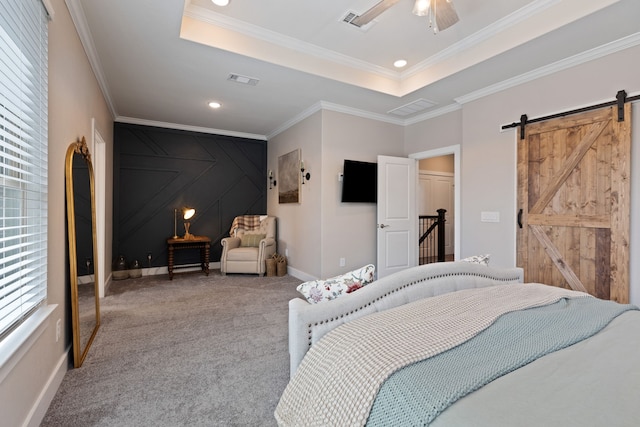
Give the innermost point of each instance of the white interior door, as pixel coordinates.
(397, 215)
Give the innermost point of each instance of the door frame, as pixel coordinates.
(451, 213)
(100, 165)
(444, 151)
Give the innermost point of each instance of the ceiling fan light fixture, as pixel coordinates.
(220, 2)
(421, 7)
(441, 13)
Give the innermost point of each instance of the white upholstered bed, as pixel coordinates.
(457, 344)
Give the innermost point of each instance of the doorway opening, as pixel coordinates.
(439, 188)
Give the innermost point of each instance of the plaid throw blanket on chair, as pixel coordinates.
(247, 222)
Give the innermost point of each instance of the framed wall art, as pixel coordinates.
(289, 177)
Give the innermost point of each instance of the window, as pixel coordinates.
(23, 160)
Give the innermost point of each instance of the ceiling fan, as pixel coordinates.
(441, 13)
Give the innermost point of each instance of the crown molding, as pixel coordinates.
(572, 61)
(144, 122)
(361, 113)
(80, 22)
(324, 105)
(78, 17)
(210, 17)
(433, 114)
(485, 33)
(590, 55)
(296, 119)
(581, 58)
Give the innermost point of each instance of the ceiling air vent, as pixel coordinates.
(351, 18)
(243, 79)
(413, 107)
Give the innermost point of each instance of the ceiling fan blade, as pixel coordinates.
(373, 13)
(445, 14)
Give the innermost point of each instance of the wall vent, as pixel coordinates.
(252, 81)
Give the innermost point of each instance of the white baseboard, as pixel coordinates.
(40, 406)
(300, 274)
(156, 271)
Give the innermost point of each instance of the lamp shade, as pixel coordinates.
(188, 213)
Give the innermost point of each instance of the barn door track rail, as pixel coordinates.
(621, 99)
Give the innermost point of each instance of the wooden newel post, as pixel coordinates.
(441, 221)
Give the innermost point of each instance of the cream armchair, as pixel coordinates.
(247, 251)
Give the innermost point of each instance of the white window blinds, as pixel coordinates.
(23, 160)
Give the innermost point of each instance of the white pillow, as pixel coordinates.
(478, 259)
(316, 291)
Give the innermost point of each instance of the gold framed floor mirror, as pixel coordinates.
(83, 265)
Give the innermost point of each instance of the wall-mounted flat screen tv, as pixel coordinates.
(359, 182)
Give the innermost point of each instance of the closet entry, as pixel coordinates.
(573, 201)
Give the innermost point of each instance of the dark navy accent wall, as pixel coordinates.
(157, 170)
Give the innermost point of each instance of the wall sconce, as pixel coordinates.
(307, 175)
(272, 182)
(187, 213)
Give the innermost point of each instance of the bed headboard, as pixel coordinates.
(309, 322)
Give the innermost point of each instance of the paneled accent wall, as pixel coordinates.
(157, 170)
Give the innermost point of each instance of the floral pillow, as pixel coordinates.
(316, 291)
(478, 259)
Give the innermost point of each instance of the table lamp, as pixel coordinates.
(187, 214)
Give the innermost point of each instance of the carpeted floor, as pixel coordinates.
(194, 351)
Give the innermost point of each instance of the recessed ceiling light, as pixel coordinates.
(214, 104)
(400, 63)
(220, 2)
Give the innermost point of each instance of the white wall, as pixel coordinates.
(488, 176)
(488, 165)
(442, 131)
(349, 229)
(321, 230)
(74, 99)
(299, 225)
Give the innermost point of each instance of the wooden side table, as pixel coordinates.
(197, 242)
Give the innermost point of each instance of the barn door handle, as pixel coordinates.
(520, 218)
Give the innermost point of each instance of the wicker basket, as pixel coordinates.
(271, 266)
(282, 266)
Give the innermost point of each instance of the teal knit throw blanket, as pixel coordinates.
(417, 393)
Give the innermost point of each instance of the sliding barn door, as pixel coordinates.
(573, 196)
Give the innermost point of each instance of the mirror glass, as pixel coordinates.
(81, 220)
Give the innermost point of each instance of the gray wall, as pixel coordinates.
(488, 176)
(321, 230)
